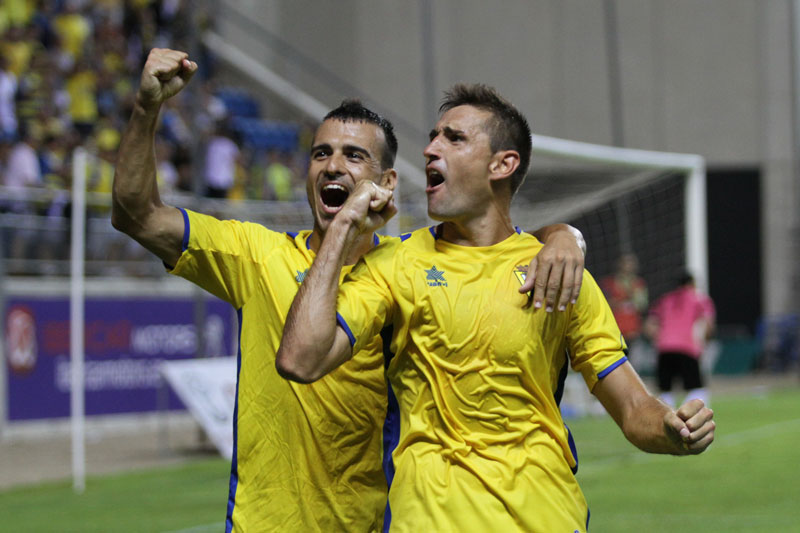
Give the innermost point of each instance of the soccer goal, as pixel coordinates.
(649, 203)
(652, 204)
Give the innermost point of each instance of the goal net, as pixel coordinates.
(650, 204)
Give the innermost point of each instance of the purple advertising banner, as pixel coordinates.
(125, 341)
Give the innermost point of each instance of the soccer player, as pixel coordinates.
(680, 323)
(307, 457)
(474, 439)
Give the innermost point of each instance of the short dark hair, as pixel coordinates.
(352, 110)
(684, 278)
(508, 130)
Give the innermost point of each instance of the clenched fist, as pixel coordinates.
(165, 74)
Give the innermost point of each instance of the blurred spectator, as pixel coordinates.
(627, 295)
(101, 174)
(8, 91)
(18, 46)
(681, 322)
(82, 88)
(279, 176)
(211, 109)
(22, 172)
(42, 18)
(166, 172)
(222, 158)
(38, 95)
(174, 125)
(73, 28)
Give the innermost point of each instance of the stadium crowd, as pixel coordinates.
(68, 76)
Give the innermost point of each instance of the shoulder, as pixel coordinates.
(236, 233)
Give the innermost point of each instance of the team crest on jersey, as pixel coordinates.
(301, 275)
(435, 277)
(521, 272)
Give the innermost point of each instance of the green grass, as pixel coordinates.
(166, 499)
(747, 481)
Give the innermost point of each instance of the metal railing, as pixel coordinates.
(35, 231)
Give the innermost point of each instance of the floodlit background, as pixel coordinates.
(713, 83)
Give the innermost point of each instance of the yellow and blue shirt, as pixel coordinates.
(474, 439)
(306, 457)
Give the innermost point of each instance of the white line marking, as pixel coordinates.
(724, 440)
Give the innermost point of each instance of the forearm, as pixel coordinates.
(312, 343)
(644, 428)
(135, 190)
(641, 417)
(545, 232)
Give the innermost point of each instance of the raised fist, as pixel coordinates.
(165, 74)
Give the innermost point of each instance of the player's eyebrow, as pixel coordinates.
(319, 146)
(357, 148)
(448, 132)
(345, 148)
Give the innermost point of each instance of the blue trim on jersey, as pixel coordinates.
(588, 516)
(185, 242)
(433, 231)
(391, 425)
(562, 378)
(292, 234)
(308, 240)
(611, 368)
(346, 328)
(375, 240)
(404, 236)
(234, 481)
(518, 230)
(573, 449)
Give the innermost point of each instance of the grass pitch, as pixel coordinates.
(747, 481)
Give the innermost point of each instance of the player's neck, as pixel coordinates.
(486, 230)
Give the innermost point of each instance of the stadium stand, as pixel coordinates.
(68, 76)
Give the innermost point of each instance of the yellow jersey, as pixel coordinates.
(306, 457)
(474, 440)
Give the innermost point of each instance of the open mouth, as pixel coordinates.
(434, 178)
(333, 195)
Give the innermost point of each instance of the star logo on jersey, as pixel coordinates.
(521, 272)
(301, 275)
(435, 277)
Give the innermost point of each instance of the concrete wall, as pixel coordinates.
(712, 77)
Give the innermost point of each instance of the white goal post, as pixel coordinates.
(617, 171)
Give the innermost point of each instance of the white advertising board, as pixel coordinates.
(208, 389)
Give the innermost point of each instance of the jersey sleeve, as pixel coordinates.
(221, 256)
(594, 341)
(365, 301)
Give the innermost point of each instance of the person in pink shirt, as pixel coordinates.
(680, 322)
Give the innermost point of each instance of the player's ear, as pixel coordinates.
(389, 179)
(503, 164)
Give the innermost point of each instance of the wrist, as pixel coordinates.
(344, 229)
(145, 106)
